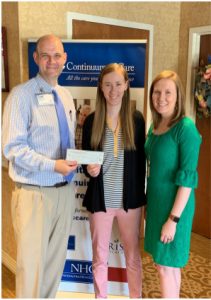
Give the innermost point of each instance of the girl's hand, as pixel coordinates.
(93, 170)
(168, 231)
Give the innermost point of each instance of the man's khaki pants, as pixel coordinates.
(42, 218)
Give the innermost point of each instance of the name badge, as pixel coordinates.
(45, 99)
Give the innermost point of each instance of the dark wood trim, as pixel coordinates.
(5, 60)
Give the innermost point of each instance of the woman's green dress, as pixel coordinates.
(173, 158)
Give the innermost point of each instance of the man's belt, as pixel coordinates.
(56, 185)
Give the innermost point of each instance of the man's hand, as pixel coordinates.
(65, 166)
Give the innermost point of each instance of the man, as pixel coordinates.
(43, 201)
(84, 111)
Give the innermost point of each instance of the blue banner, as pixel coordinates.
(85, 60)
(78, 271)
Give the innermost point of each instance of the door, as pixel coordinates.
(202, 219)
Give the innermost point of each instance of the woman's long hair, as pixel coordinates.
(179, 111)
(126, 119)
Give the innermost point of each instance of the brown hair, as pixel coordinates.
(179, 107)
(99, 124)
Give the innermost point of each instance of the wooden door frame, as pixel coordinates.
(195, 34)
(96, 19)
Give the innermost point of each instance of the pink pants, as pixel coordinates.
(129, 228)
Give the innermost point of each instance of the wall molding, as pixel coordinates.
(9, 262)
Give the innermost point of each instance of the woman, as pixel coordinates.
(172, 149)
(116, 189)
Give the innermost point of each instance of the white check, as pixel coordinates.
(85, 157)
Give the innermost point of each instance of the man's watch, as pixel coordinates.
(174, 218)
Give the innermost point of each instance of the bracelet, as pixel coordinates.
(174, 218)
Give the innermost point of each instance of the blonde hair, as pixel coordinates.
(179, 112)
(126, 119)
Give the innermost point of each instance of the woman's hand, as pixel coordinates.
(168, 231)
(93, 170)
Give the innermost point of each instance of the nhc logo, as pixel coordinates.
(78, 271)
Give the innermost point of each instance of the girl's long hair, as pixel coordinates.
(126, 119)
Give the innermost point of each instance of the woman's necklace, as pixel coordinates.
(115, 130)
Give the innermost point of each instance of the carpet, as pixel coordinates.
(196, 278)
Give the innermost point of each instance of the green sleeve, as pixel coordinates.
(189, 141)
